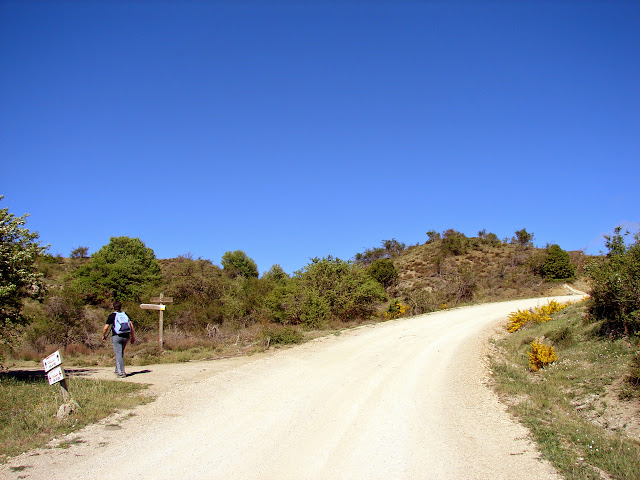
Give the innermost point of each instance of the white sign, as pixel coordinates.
(55, 375)
(52, 361)
(151, 306)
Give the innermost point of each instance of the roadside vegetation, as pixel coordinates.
(28, 407)
(574, 378)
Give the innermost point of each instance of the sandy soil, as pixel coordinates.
(404, 399)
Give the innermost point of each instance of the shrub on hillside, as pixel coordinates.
(523, 238)
(521, 318)
(282, 335)
(557, 264)
(384, 272)
(454, 242)
(615, 291)
(346, 287)
(237, 263)
(541, 355)
(396, 309)
(390, 249)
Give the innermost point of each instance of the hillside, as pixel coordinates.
(431, 274)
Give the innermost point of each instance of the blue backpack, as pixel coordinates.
(121, 323)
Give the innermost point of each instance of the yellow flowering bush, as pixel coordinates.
(520, 318)
(541, 355)
(395, 310)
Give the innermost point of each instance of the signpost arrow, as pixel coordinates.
(152, 306)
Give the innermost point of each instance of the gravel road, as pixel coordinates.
(403, 399)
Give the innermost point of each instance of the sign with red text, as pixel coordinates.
(56, 375)
(52, 361)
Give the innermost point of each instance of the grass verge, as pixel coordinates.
(28, 407)
(573, 406)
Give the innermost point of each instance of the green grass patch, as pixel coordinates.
(565, 405)
(28, 407)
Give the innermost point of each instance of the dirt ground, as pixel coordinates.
(404, 399)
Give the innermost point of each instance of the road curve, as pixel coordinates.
(403, 399)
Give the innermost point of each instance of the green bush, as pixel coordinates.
(557, 264)
(346, 287)
(283, 335)
(384, 272)
(615, 293)
(454, 242)
(315, 310)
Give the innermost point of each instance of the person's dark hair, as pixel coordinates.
(117, 306)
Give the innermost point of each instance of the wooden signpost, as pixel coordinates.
(158, 304)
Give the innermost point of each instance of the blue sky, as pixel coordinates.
(292, 130)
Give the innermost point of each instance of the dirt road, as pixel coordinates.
(400, 400)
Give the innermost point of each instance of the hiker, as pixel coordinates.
(121, 331)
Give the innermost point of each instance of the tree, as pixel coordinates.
(454, 242)
(121, 270)
(19, 276)
(393, 247)
(433, 236)
(523, 238)
(80, 252)
(615, 292)
(390, 249)
(237, 263)
(557, 264)
(276, 274)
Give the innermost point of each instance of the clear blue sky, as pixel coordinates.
(292, 130)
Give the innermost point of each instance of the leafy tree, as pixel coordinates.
(454, 242)
(197, 287)
(488, 238)
(492, 239)
(523, 238)
(433, 236)
(237, 263)
(276, 274)
(557, 264)
(615, 292)
(19, 276)
(245, 301)
(80, 252)
(389, 249)
(121, 270)
(370, 255)
(384, 272)
(393, 247)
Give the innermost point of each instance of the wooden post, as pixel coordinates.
(64, 389)
(161, 330)
(158, 304)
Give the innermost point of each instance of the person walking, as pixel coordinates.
(121, 332)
